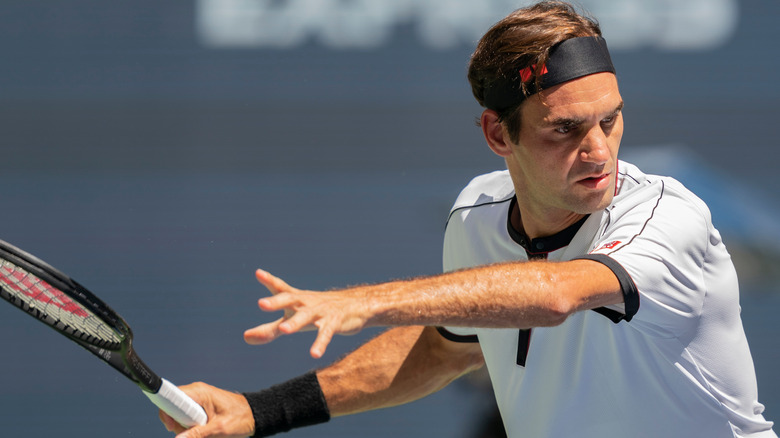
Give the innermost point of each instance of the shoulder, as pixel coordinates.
(656, 216)
(641, 192)
(476, 228)
(490, 188)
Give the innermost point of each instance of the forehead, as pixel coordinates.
(588, 96)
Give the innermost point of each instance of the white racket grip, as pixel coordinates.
(178, 405)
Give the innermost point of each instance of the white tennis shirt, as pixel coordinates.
(679, 366)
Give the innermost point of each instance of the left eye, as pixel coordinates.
(565, 129)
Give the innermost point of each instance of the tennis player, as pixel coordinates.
(601, 299)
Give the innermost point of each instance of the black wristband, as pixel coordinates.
(295, 403)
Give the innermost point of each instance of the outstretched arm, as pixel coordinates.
(505, 295)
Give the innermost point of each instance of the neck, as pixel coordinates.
(542, 224)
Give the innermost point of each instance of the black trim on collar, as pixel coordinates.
(540, 246)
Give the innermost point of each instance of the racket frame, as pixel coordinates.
(121, 356)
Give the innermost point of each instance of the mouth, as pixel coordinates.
(596, 182)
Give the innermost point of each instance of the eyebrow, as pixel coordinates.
(570, 121)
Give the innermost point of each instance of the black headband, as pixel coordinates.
(569, 59)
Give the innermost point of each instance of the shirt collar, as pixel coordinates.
(541, 246)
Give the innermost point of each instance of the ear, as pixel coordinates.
(495, 134)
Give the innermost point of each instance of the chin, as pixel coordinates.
(605, 201)
(592, 205)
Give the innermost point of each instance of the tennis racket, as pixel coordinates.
(68, 307)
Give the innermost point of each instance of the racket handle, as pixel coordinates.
(178, 405)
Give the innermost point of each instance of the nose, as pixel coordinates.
(594, 147)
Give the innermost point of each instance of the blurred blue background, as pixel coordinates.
(159, 152)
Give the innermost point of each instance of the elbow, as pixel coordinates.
(557, 311)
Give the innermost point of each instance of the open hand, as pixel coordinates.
(338, 312)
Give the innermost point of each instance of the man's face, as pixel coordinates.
(565, 159)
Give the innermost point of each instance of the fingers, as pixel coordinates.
(195, 432)
(229, 414)
(300, 321)
(283, 301)
(202, 432)
(263, 334)
(324, 336)
(268, 332)
(303, 311)
(207, 431)
(274, 284)
(170, 424)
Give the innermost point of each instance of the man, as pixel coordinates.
(601, 299)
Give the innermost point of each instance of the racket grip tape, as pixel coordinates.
(174, 402)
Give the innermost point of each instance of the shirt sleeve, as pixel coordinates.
(660, 243)
(630, 305)
(451, 333)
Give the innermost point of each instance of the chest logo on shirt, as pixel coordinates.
(608, 245)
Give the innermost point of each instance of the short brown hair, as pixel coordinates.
(523, 39)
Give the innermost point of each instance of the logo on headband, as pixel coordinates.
(526, 73)
(570, 59)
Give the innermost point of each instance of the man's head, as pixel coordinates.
(554, 112)
(517, 44)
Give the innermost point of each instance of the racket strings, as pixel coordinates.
(49, 304)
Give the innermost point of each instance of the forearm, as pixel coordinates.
(397, 367)
(521, 295)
